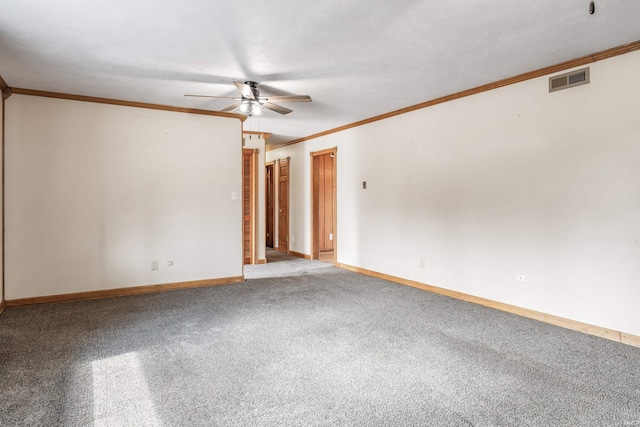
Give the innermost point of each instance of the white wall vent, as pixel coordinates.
(570, 79)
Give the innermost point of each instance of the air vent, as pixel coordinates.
(567, 80)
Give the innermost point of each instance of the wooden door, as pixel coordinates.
(325, 203)
(323, 209)
(283, 205)
(248, 205)
(270, 204)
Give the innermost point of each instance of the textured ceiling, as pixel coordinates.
(355, 58)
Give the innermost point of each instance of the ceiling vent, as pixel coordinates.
(567, 80)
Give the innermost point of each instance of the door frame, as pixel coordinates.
(288, 227)
(270, 201)
(253, 196)
(315, 252)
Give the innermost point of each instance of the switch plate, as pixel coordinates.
(155, 266)
(422, 263)
(234, 195)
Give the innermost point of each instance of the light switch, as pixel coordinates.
(234, 195)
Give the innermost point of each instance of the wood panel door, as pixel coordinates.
(248, 205)
(283, 205)
(323, 204)
(270, 201)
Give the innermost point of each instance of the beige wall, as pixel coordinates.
(96, 192)
(514, 181)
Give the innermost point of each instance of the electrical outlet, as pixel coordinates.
(521, 278)
(293, 238)
(155, 266)
(422, 263)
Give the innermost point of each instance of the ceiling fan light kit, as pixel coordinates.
(252, 104)
(250, 108)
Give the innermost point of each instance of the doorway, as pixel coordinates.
(283, 205)
(323, 204)
(270, 201)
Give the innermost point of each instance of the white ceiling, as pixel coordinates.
(355, 58)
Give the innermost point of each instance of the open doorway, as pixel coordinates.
(324, 205)
(270, 204)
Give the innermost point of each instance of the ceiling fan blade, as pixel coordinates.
(284, 98)
(245, 90)
(231, 107)
(276, 108)
(212, 96)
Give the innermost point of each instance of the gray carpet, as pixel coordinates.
(328, 347)
(283, 265)
(276, 256)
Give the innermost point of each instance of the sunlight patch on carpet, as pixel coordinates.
(121, 394)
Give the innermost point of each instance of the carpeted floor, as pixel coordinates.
(283, 265)
(327, 347)
(277, 256)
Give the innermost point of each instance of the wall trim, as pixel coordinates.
(300, 255)
(262, 261)
(122, 103)
(5, 89)
(3, 305)
(584, 60)
(332, 150)
(121, 292)
(586, 328)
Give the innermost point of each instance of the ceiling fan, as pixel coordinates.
(252, 104)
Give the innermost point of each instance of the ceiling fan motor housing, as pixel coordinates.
(254, 87)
